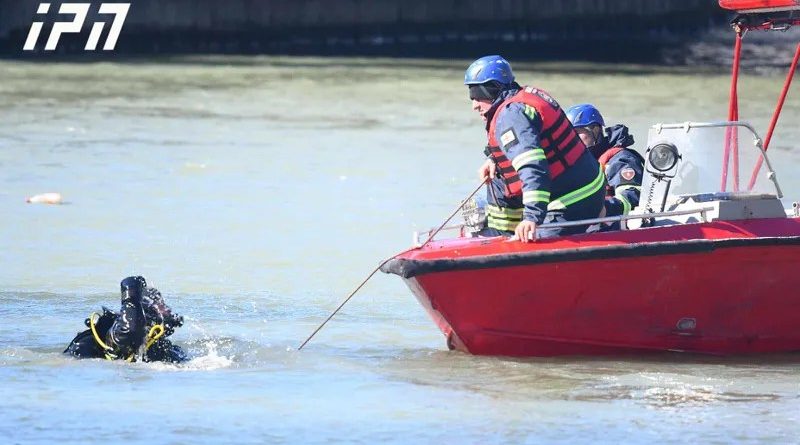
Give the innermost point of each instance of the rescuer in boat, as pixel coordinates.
(138, 331)
(623, 166)
(544, 172)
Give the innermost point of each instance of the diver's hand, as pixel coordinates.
(526, 231)
(176, 320)
(172, 322)
(487, 170)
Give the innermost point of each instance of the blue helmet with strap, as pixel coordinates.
(487, 69)
(584, 115)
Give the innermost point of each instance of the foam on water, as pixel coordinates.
(210, 361)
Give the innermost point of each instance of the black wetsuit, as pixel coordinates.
(124, 335)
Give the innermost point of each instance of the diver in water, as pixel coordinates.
(138, 332)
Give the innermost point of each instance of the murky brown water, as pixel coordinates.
(255, 193)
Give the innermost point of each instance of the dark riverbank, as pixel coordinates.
(635, 31)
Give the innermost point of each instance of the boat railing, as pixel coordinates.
(702, 211)
(757, 143)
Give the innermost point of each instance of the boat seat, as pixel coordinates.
(730, 206)
(722, 206)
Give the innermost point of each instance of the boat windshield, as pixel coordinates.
(706, 164)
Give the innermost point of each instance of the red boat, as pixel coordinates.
(750, 6)
(712, 252)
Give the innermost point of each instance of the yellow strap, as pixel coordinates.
(504, 212)
(503, 218)
(535, 196)
(626, 205)
(153, 337)
(94, 332)
(501, 224)
(578, 195)
(530, 112)
(156, 332)
(107, 349)
(527, 157)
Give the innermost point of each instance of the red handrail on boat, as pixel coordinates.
(762, 15)
(776, 115)
(732, 133)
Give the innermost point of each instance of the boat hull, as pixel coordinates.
(716, 288)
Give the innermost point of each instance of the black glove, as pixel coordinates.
(157, 312)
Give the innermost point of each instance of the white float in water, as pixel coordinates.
(45, 198)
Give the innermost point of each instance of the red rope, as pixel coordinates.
(735, 147)
(776, 115)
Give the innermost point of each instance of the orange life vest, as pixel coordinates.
(607, 155)
(603, 160)
(561, 144)
(507, 171)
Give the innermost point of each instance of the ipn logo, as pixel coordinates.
(80, 10)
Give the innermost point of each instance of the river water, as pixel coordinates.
(256, 193)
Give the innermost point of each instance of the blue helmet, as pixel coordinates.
(489, 68)
(584, 115)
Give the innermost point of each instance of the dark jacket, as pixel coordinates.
(526, 126)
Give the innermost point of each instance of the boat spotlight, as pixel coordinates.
(663, 157)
